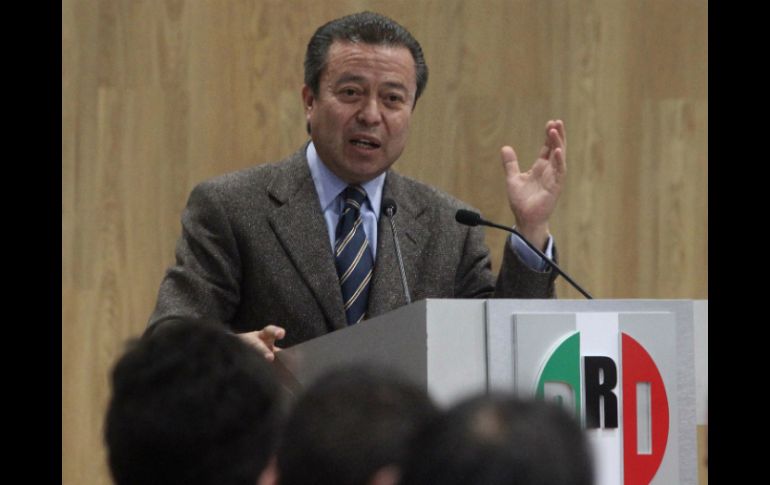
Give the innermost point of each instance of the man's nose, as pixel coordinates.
(370, 114)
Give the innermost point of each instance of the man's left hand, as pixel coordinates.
(532, 195)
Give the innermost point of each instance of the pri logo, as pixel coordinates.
(590, 385)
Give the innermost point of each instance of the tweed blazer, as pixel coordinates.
(254, 251)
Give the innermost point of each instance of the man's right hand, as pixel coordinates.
(264, 340)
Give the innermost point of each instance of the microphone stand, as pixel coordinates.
(390, 210)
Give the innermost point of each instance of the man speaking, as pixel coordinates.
(293, 250)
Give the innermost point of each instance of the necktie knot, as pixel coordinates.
(354, 196)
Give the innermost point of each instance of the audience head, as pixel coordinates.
(191, 404)
(351, 427)
(490, 440)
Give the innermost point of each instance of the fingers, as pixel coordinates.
(558, 136)
(562, 132)
(510, 162)
(268, 336)
(555, 135)
(252, 338)
(559, 161)
(553, 150)
(554, 138)
(264, 340)
(271, 333)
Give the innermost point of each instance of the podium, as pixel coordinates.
(634, 372)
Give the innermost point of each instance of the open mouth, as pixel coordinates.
(365, 144)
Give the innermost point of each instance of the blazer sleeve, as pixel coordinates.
(474, 278)
(205, 280)
(517, 280)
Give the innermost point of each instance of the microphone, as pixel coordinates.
(473, 219)
(390, 210)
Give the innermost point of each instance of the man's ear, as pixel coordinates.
(308, 99)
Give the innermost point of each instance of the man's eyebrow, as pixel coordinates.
(357, 78)
(345, 78)
(396, 85)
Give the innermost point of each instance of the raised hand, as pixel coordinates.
(532, 195)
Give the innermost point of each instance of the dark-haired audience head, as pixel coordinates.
(191, 405)
(351, 427)
(493, 440)
(367, 28)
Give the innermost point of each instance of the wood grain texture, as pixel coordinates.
(159, 95)
(703, 475)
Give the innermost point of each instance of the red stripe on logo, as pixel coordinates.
(638, 367)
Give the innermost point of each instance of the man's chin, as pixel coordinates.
(363, 176)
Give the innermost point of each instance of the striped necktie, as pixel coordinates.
(353, 256)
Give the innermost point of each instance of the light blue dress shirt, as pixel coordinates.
(330, 187)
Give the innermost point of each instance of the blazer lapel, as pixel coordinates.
(387, 292)
(299, 226)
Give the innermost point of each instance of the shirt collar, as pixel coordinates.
(329, 186)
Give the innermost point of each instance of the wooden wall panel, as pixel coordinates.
(159, 95)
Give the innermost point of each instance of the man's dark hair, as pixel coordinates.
(368, 28)
(191, 404)
(349, 424)
(497, 439)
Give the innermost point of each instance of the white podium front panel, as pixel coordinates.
(625, 368)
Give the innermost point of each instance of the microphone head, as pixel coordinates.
(389, 206)
(468, 218)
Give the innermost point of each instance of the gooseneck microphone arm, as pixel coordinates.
(390, 210)
(470, 218)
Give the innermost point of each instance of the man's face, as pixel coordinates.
(360, 118)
